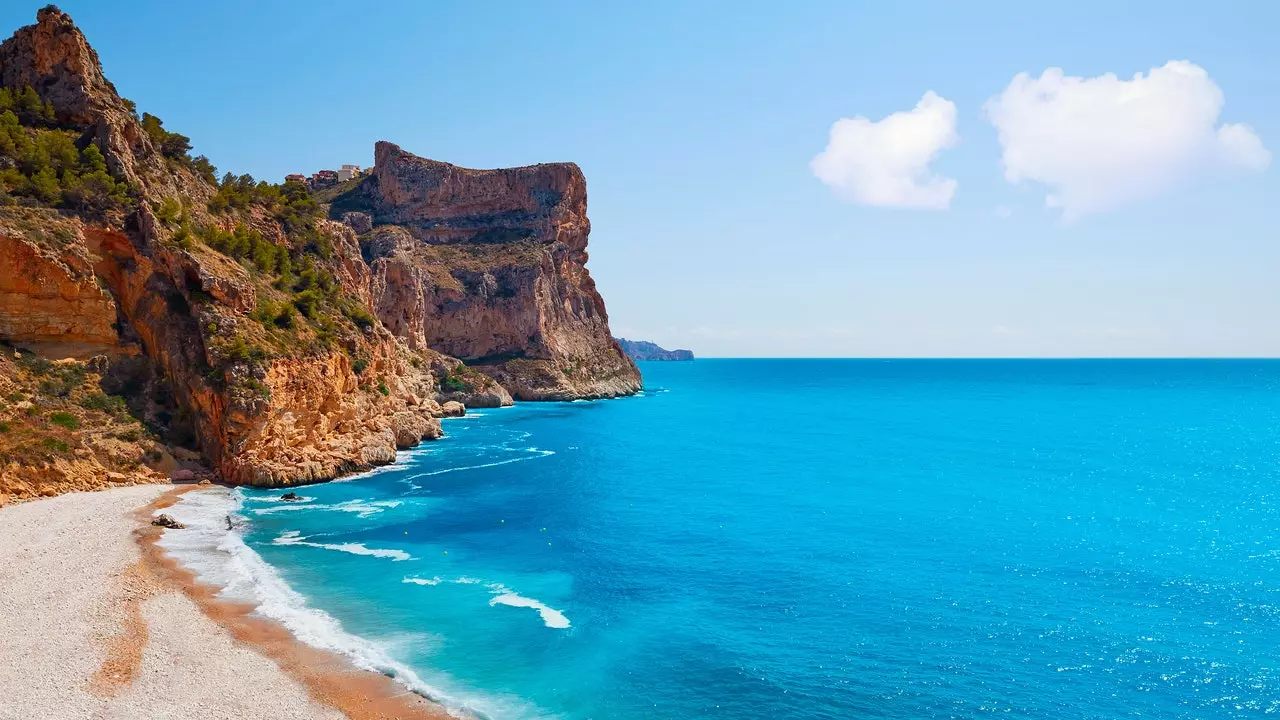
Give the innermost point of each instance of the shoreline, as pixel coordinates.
(101, 622)
(330, 678)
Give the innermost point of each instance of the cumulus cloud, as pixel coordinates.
(1102, 142)
(886, 163)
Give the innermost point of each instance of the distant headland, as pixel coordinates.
(645, 350)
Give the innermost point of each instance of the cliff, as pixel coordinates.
(489, 266)
(642, 350)
(231, 317)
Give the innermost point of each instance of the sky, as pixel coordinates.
(817, 178)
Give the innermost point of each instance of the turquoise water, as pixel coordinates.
(825, 539)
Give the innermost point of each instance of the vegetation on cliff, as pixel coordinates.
(59, 431)
(40, 163)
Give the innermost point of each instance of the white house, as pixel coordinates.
(347, 172)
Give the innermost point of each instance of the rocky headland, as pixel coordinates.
(254, 332)
(643, 350)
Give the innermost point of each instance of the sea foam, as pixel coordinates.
(220, 557)
(502, 595)
(293, 538)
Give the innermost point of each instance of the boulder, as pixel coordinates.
(453, 408)
(360, 222)
(166, 520)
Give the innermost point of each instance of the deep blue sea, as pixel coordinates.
(813, 539)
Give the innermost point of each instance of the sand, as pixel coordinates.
(92, 627)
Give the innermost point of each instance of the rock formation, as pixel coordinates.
(287, 348)
(489, 266)
(642, 350)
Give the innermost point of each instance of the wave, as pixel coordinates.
(551, 617)
(220, 557)
(403, 459)
(362, 508)
(437, 580)
(502, 595)
(536, 453)
(292, 537)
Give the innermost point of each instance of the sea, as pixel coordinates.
(804, 539)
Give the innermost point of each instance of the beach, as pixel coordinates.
(95, 622)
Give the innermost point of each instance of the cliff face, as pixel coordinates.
(48, 292)
(233, 318)
(643, 350)
(490, 266)
(268, 403)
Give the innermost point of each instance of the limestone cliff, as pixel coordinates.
(268, 400)
(489, 266)
(230, 316)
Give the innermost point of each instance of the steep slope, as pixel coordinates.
(490, 266)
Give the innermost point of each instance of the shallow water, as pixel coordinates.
(808, 539)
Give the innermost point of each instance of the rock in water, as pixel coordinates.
(166, 520)
(290, 497)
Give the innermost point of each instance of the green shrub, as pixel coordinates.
(308, 303)
(65, 419)
(110, 404)
(168, 211)
(452, 383)
(55, 444)
(382, 388)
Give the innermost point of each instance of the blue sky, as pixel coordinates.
(696, 124)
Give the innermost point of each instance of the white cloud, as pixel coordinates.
(1102, 142)
(886, 163)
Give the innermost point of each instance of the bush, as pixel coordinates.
(65, 419)
(239, 350)
(60, 380)
(358, 365)
(55, 445)
(307, 302)
(110, 404)
(130, 435)
(452, 383)
(169, 211)
(172, 145)
(382, 388)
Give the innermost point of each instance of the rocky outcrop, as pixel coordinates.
(642, 350)
(48, 292)
(267, 417)
(283, 376)
(489, 266)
